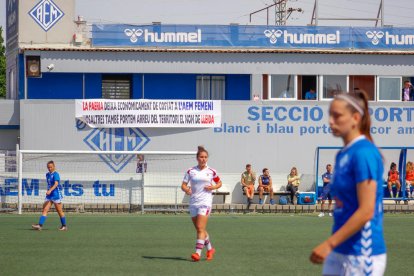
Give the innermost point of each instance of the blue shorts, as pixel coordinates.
(326, 192)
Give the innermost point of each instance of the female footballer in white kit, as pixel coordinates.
(203, 180)
(356, 246)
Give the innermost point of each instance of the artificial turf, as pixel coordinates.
(162, 245)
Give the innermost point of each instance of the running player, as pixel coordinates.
(356, 246)
(393, 180)
(53, 195)
(326, 194)
(201, 178)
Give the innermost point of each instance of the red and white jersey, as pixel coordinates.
(198, 179)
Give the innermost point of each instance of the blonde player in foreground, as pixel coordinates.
(356, 246)
(201, 178)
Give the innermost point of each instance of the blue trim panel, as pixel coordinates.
(9, 127)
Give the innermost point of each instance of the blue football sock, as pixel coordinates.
(42, 220)
(63, 221)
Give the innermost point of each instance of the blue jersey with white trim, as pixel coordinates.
(51, 178)
(359, 161)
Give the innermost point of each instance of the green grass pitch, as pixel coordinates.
(162, 245)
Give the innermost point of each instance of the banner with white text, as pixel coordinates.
(104, 113)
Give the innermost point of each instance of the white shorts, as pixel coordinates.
(346, 265)
(199, 210)
(57, 201)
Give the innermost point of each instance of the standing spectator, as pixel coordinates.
(326, 193)
(408, 92)
(393, 179)
(248, 178)
(310, 95)
(409, 178)
(141, 164)
(265, 185)
(293, 183)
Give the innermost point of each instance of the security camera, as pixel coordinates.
(50, 67)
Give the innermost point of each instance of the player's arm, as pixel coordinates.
(52, 188)
(326, 180)
(260, 182)
(185, 188)
(217, 185)
(243, 181)
(366, 191)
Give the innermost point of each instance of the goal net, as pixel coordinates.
(107, 181)
(398, 155)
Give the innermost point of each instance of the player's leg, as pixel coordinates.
(200, 223)
(251, 191)
(46, 207)
(59, 209)
(322, 213)
(389, 184)
(408, 188)
(261, 195)
(330, 205)
(398, 186)
(270, 190)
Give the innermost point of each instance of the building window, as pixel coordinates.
(308, 85)
(389, 88)
(366, 83)
(282, 86)
(116, 86)
(210, 87)
(333, 84)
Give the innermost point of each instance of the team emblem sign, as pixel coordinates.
(46, 14)
(116, 139)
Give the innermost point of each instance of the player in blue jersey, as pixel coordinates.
(53, 196)
(356, 246)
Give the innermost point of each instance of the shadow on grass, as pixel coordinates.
(166, 258)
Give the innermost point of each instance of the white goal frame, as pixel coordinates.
(21, 153)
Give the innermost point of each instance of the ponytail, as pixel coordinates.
(201, 149)
(365, 127)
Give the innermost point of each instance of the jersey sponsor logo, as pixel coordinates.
(117, 139)
(46, 14)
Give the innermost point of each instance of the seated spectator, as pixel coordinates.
(393, 179)
(248, 178)
(265, 185)
(293, 183)
(141, 164)
(409, 178)
(326, 194)
(310, 95)
(408, 92)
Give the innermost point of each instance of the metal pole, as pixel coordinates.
(382, 13)
(142, 192)
(20, 179)
(176, 200)
(316, 12)
(317, 173)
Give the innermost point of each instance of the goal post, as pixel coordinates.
(399, 155)
(109, 179)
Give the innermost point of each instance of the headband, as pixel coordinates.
(352, 102)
